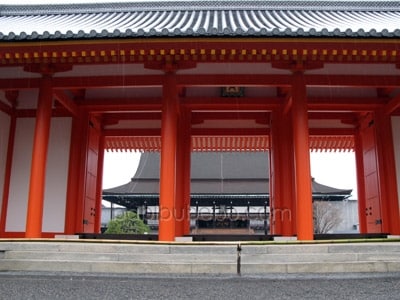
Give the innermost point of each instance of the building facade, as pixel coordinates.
(185, 76)
(229, 192)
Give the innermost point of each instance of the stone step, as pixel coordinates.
(130, 248)
(393, 247)
(117, 267)
(320, 267)
(123, 257)
(320, 257)
(203, 257)
(194, 268)
(217, 248)
(198, 258)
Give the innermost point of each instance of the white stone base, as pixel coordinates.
(183, 239)
(393, 236)
(285, 238)
(67, 236)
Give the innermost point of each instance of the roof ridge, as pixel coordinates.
(327, 5)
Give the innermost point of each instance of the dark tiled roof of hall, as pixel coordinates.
(224, 173)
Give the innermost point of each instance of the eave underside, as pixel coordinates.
(133, 201)
(120, 83)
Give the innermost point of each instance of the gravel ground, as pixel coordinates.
(23, 285)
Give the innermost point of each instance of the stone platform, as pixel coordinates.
(141, 257)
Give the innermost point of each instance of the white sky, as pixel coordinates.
(335, 169)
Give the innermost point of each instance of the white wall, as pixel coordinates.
(56, 175)
(20, 173)
(4, 130)
(349, 213)
(396, 145)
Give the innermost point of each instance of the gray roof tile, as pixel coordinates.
(214, 173)
(201, 18)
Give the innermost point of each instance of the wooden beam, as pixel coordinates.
(66, 101)
(392, 105)
(130, 116)
(218, 103)
(122, 104)
(31, 113)
(345, 104)
(109, 81)
(377, 81)
(132, 132)
(140, 132)
(5, 108)
(262, 80)
(221, 80)
(19, 83)
(335, 115)
(198, 117)
(331, 131)
(230, 131)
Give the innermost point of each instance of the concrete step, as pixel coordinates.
(198, 258)
(117, 267)
(123, 257)
(118, 247)
(320, 267)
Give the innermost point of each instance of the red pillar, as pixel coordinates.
(387, 174)
(304, 215)
(168, 160)
(283, 208)
(39, 158)
(80, 171)
(275, 195)
(73, 174)
(183, 175)
(288, 186)
(360, 183)
(6, 188)
(99, 187)
(186, 187)
(180, 165)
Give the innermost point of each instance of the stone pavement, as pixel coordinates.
(55, 285)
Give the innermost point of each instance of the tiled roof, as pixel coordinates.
(214, 173)
(201, 18)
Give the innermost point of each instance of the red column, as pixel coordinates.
(180, 166)
(360, 183)
(304, 215)
(6, 188)
(186, 186)
(283, 208)
(168, 160)
(81, 171)
(288, 186)
(183, 175)
(387, 174)
(99, 187)
(39, 158)
(73, 174)
(275, 195)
